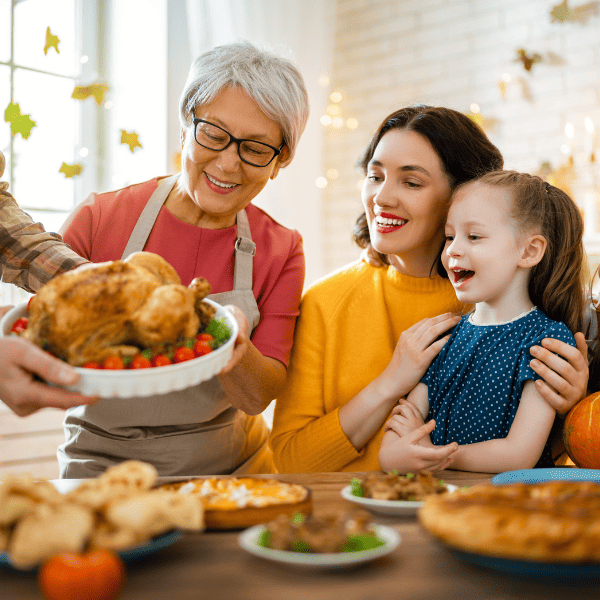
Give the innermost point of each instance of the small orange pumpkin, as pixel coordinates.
(581, 432)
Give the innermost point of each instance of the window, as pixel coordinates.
(40, 80)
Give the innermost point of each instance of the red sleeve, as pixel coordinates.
(279, 307)
(78, 228)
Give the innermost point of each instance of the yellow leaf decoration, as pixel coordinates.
(97, 90)
(51, 41)
(19, 123)
(71, 170)
(583, 12)
(560, 12)
(131, 139)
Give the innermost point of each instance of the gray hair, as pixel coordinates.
(272, 81)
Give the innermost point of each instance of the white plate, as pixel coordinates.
(249, 542)
(387, 507)
(128, 383)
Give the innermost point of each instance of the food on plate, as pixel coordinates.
(116, 308)
(335, 532)
(554, 521)
(391, 486)
(581, 432)
(234, 502)
(93, 575)
(117, 510)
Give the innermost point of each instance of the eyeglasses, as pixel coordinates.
(216, 138)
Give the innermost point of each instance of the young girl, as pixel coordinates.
(514, 250)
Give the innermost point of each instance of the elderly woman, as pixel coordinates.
(242, 112)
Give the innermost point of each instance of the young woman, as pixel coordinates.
(514, 250)
(366, 334)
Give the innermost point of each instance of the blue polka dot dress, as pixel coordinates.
(476, 381)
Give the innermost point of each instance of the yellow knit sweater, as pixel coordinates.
(348, 327)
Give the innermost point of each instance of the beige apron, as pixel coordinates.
(195, 431)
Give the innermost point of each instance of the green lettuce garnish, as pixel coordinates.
(220, 331)
(361, 541)
(356, 488)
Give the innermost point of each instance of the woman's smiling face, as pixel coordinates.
(405, 195)
(217, 185)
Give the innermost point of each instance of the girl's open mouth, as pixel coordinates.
(461, 276)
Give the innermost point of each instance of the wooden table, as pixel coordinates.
(213, 566)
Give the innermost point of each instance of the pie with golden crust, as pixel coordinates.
(236, 502)
(555, 521)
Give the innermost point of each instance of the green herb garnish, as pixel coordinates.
(356, 488)
(297, 519)
(361, 541)
(300, 546)
(220, 331)
(410, 475)
(264, 539)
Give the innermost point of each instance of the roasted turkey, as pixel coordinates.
(116, 308)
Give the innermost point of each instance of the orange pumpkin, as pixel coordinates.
(581, 432)
(93, 575)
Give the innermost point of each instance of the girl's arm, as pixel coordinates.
(523, 446)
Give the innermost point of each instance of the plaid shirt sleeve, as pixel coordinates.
(29, 255)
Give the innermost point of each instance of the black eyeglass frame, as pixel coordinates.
(238, 141)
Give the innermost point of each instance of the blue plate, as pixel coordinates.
(128, 556)
(552, 474)
(532, 569)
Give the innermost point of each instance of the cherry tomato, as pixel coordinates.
(160, 360)
(92, 365)
(183, 353)
(205, 337)
(113, 362)
(202, 347)
(29, 302)
(140, 362)
(20, 325)
(94, 575)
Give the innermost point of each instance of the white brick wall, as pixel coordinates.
(393, 53)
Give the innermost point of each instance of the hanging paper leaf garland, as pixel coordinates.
(71, 170)
(19, 123)
(130, 139)
(52, 41)
(563, 13)
(527, 59)
(97, 90)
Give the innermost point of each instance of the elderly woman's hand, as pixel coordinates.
(242, 341)
(565, 376)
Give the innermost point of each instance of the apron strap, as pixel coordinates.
(245, 249)
(143, 227)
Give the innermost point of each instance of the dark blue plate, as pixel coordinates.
(532, 569)
(552, 474)
(129, 555)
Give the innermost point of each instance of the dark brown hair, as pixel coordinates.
(464, 150)
(557, 282)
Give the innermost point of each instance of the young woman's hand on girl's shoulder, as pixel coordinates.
(417, 347)
(564, 370)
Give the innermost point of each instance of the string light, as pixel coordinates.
(335, 97)
(475, 108)
(332, 174)
(325, 120)
(321, 182)
(352, 123)
(337, 122)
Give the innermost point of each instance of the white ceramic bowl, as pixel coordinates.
(129, 383)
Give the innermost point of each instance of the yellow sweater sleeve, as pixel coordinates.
(305, 437)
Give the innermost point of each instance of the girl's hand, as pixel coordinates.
(406, 418)
(408, 454)
(566, 378)
(417, 347)
(242, 341)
